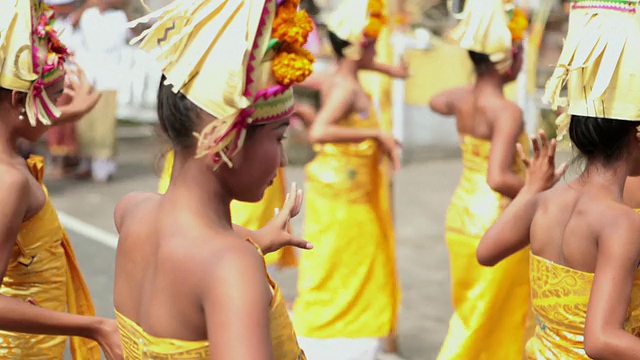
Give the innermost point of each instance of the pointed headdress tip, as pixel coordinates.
(598, 63)
(491, 27)
(32, 55)
(272, 32)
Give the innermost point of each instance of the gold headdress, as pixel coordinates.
(31, 55)
(599, 61)
(356, 20)
(234, 59)
(490, 27)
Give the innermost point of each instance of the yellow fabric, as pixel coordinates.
(138, 345)
(43, 271)
(484, 29)
(96, 132)
(427, 81)
(491, 304)
(379, 87)
(561, 319)
(253, 216)
(348, 285)
(599, 62)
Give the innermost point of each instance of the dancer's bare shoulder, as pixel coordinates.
(447, 102)
(128, 205)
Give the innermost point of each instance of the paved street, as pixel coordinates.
(422, 192)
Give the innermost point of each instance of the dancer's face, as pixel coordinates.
(256, 165)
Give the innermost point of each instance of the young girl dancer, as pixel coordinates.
(43, 297)
(585, 243)
(489, 126)
(187, 285)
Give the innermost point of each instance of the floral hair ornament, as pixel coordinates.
(234, 59)
(355, 21)
(31, 55)
(599, 61)
(489, 27)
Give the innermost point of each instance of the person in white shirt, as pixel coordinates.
(103, 33)
(62, 143)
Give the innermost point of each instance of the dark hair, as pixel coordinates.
(176, 114)
(310, 7)
(4, 92)
(337, 44)
(481, 62)
(600, 138)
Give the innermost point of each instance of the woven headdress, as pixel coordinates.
(355, 21)
(599, 61)
(235, 59)
(490, 27)
(31, 55)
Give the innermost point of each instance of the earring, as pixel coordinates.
(21, 116)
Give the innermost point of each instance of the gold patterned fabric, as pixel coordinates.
(139, 345)
(559, 296)
(253, 216)
(490, 304)
(44, 272)
(348, 285)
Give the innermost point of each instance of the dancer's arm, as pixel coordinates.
(444, 103)
(275, 234)
(19, 316)
(507, 128)
(75, 16)
(400, 71)
(510, 232)
(307, 113)
(79, 97)
(616, 267)
(236, 300)
(314, 81)
(337, 105)
(325, 128)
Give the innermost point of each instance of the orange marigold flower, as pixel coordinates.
(292, 64)
(292, 27)
(294, 3)
(374, 27)
(518, 25)
(375, 7)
